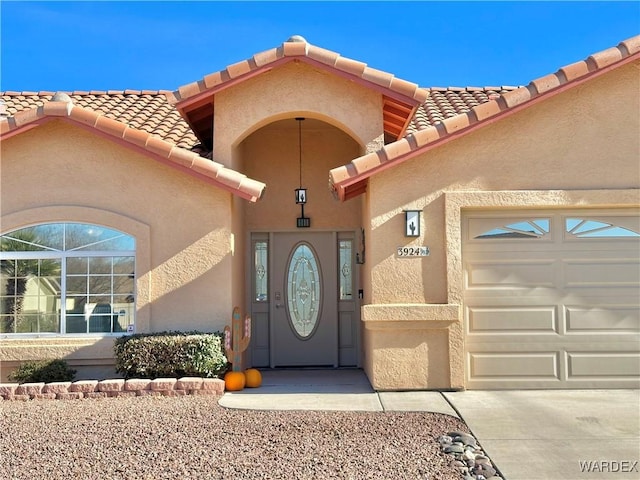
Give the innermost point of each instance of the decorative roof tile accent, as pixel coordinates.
(304, 51)
(147, 143)
(447, 115)
(146, 110)
(191, 97)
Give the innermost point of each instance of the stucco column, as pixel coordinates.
(413, 346)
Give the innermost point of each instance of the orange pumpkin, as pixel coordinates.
(253, 378)
(234, 381)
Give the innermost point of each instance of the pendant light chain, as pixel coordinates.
(300, 119)
(301, 193)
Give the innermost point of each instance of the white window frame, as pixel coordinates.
(63, 255)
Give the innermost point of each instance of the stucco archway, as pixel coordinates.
(272, 154)
(286, 154)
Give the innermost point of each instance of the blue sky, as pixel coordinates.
(163, 45)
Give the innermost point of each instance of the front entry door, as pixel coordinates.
(304, 307)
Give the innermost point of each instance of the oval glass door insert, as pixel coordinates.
(303, 290)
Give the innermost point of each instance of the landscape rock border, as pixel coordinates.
(116, 387)
(469, 458)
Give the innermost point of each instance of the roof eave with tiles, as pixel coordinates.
(301, 50)
(401, 98)
(147, 110)
(135, 139)
(350, 180)
(438, 116)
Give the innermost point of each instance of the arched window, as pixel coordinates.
(71, 278)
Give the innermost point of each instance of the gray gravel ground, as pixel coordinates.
(193, 437)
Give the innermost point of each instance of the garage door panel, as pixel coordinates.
(558, 311)
(536, 366)
(519, 319)
(607, 365)
(602, 319)
(510, 274)
(602, 273)
(514, 365)
(532, 341)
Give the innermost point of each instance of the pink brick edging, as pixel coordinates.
(117, 387)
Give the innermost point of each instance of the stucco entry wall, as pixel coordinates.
(271, 155)
(407, 346)
(557, 153)
(294, 89)
(59, 172)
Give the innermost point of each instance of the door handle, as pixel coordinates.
(279, 305)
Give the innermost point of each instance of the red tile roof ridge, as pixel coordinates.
(415, 143)
(167, 152)
(298, 48)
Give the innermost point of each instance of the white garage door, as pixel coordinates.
(552, 299)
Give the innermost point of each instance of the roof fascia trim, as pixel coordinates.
(203, 96)
(181, 105)
(472, 124)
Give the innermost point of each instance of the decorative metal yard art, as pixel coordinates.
(235, 340)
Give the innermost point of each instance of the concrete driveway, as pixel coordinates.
(556, 434)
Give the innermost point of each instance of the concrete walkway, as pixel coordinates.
(329, 390)
(529, 434)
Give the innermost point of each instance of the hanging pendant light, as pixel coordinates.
(301, 193)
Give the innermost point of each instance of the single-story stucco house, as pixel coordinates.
(438, 238)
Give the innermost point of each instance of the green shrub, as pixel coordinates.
(43, 371)
(171, 354)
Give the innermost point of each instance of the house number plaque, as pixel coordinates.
(410, 252)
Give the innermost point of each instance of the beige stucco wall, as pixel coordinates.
(291, 90)
(238, 253)
(583, 139)
(59, 172)
(271, 155)
(407, 346)
(580, 148)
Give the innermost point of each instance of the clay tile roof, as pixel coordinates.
(451, 112)
(297, 46)
(444, 103)
(401, 98)
(415, 119)
(31, 110)
(145, 110)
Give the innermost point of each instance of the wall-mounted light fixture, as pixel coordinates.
(412, 223)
